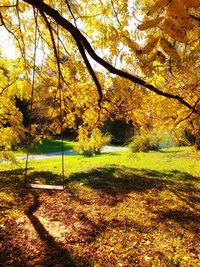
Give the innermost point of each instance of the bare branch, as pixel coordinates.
(10, 6)
(20, 30)
(52, 40)
(91, 71)
(12, 33)
(59, 39)
(115, 12)
(5, 71)
(89, 16)
(195, 18)
(7, 86)
(190, 114)
(70, 10)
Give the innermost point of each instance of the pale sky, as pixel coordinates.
(7, 48)
(6, 44)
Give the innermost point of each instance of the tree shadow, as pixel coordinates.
(55, 254)
(175, 151)
(186, 218)
(174, 174)
(11, 177)
(184, 176)
(44, 177)
(47, 146)
(16, 177)
(114, 180)
(118, 182)
(10, 251)
(96, 229)
(112, 184)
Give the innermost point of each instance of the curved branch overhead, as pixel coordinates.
(82, 42)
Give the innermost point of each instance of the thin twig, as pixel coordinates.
(70, 10)
(190, 114)
(19, 26)
(115, 12)
(7, 86)
(91, 71)
(12, 33)
(194, 17)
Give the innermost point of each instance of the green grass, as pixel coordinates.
(46, 146)
(184, 159)
(118, 209)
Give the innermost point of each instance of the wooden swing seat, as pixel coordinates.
(45, 186)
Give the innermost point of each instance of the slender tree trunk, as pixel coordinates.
(197, 141)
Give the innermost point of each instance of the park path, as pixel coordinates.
(105, 149)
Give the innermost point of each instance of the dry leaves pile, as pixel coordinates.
(115, 217)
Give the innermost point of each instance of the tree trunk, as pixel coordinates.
(197, 141)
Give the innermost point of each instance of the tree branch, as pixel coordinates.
(91, 71)
(13, 34)
(115, 12)
(7, 86)
(70, 10)
(190, 114)
(52, 39)
(194, 17)
(78, 37)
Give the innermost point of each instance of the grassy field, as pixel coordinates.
(46, 146)
(118, 209)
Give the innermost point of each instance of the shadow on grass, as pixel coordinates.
(54, 252)
(175, 151)
(101, 154)
(118, 182)
(16, 177)
(185, 218)
(174, 174)
(44, 177)
(115, 181)
(112, 183)
(10, 252)
(12, 177)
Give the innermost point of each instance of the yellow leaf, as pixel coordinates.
(179, 13)
(174, 30)
(152, 57)
(150, 23)
(191, 3)
(157, 6)
(160, 57)
(150, 45)
(168, 48)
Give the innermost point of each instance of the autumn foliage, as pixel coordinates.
(150, 48)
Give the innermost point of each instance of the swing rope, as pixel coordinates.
(59, 88)
(32, 96)
(60, 105)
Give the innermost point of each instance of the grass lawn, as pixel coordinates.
(117, 209)
(47, 146)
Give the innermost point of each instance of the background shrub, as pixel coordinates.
(91, 143)
(145, 143)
